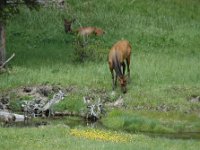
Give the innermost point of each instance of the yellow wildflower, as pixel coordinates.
(101, 135)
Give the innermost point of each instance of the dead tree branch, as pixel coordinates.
(11, 57)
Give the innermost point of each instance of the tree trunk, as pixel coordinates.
(2, 44)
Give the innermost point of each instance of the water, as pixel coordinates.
(74, 122)
(181, 135)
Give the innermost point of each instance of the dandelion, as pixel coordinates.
(101, 135)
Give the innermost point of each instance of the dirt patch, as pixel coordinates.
(41, 91)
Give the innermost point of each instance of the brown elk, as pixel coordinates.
(120, 52)
(86, 31)
(82, 31)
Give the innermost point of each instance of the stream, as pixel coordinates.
(74, 122)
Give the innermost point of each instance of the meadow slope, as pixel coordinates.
(165, 68)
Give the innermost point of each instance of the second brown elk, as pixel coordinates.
(82, 31)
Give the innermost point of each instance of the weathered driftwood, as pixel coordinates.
(56, 99)
(95, 109)
(10, 117)
(43, 108)
(118, 103)
(34, 109)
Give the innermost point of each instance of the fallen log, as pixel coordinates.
(42, 109)
(8, 117)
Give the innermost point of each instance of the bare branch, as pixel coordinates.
(11, 57)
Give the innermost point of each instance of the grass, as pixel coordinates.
(59, 137)
(152, 121)
(164, 65)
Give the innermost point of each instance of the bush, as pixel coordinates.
(88, 49)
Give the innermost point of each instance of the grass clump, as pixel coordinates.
(73, 103)
(126, 121)
(154, 122)
(15, 105)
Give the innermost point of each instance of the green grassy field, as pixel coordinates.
(165, 64)
(59, 137)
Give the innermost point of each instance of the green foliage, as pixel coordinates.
(73, 103)
(80, 54)
(15, 105)
(134, 121)
(117, 119)
(8, 8)
(87, 49)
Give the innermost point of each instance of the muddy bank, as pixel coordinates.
(88, 101)
(12, 99)
(37, 101)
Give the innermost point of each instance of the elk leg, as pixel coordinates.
(128, 68)
(124, 68)
(113, 83)
(115, 80)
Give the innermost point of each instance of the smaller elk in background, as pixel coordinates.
(82, 31)
(86, 31)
